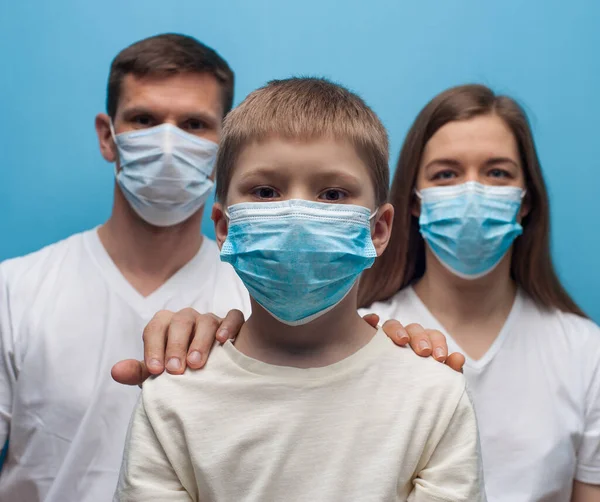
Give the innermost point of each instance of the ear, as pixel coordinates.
(108, 148)
(221, 223)
(382, 230)
(525, 206)
(415, 205)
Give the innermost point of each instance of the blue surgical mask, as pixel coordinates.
(164, 172)
(470, 227)
(298, 258)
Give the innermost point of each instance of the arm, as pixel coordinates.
(146, 472)
(454, 471)
(185, 338)
(586, 487)
(8, 370)
(583, 492)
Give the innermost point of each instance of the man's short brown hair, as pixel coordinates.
(168, 54)
(304, 109)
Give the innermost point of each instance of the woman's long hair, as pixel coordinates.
(404, 260)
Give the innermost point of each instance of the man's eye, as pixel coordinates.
(194, 125)
(143, 120)
(333, 195)
(265, 193)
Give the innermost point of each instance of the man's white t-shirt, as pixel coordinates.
(381, 425)
(537, 396)
(66, 316)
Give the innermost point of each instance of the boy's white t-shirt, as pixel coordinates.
(537, 396)
(382, 424)
(66, 316)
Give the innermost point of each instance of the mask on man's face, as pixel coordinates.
(298, 258)
(164, 172)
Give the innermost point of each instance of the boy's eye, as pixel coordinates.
(333, 195)
(265, 193)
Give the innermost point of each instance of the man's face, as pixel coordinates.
(191, 101)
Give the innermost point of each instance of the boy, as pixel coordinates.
(300, 407)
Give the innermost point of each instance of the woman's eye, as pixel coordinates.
(333, 195)
(499, 173)
(444, 175)
(265, 193)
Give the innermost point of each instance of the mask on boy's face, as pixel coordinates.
(298, 258)
(164, 172)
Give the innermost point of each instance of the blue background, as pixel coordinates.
(397, 54)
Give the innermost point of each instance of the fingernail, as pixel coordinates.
(154, 363)
(402, 336)
(423, 345)
(223, 333)
(439, 353)
(173, 364)
(195, 357)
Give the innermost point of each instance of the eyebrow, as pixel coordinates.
(494, 161)
(201, 115)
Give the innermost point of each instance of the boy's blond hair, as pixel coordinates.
(304, 109)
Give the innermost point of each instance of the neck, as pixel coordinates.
(324, 341)
(448, 296)
(147, 255)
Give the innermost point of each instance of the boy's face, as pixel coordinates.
(324, 170)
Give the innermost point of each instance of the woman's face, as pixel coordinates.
(480, 149)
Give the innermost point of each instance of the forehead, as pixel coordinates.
(482, 136)
(178, 94)
(302, 155)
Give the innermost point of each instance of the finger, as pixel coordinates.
(203, 338)
(155, 339)
(180, 332)
(456, 361)
(419, 340)
(231, 326)
(439, 347)
(129, 372)
(372, 319)
(396, 332)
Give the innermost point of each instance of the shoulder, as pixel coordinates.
(557, 325)
(423, 375)
(167, 394)
(25, 271)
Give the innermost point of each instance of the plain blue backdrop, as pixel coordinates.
(55, 56)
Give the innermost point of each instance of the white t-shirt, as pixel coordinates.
(66, 316)
(537, 396)
(381, 425)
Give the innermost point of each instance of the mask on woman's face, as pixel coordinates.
(470, 227)
(164, 172)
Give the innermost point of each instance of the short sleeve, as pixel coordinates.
(146, 473)
(454, 471)
(8, 362)
(588, 455)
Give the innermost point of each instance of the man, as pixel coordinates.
(71, 310)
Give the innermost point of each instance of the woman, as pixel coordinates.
(470, 256)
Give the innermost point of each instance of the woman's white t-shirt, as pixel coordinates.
(537, 397)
